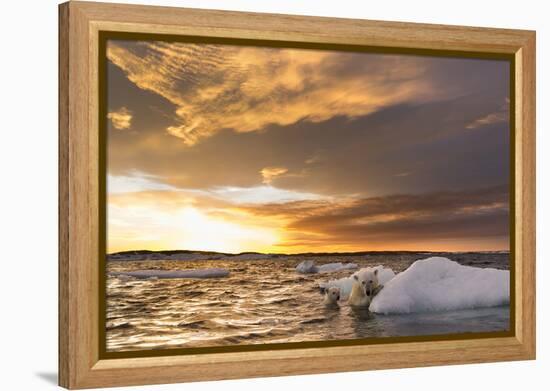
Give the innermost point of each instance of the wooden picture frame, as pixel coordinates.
(80, 154)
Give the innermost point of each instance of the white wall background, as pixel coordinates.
(28, 207)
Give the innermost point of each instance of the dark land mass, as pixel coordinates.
(183, 255)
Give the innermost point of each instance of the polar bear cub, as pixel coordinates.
(332, 295)
(365, 286)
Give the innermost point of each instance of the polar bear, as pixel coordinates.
(332, 295)
(365, 287)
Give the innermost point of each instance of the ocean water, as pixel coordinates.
(267, 301)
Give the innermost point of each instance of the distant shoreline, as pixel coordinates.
(192, 255)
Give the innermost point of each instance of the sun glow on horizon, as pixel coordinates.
(189, 228)
(202, 232)
(175, 220)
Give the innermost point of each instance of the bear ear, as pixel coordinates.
(375, 272)
(355, 277)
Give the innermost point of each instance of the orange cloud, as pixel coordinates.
(270, 173)
(121, 118)
(218, 87)
(432, 221)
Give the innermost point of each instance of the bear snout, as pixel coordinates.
(368, 290)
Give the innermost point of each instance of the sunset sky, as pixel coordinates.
(232, 149)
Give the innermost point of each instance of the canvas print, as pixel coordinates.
(275, 195)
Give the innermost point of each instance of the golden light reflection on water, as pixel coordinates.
(263, 301)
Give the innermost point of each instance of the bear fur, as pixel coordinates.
(365, 287)
(332, 295)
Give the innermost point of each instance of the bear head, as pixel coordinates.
(368, 281)
(332, 294)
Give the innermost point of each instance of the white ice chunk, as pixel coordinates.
(308, 267)
(336, 267)
(439, 284)
(195, 273)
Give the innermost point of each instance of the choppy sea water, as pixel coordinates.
(267, 301)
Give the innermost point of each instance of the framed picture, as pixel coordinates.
(247, 195)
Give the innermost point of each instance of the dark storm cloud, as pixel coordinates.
(403, 148)
(458, 215)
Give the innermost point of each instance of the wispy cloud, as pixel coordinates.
(135, 182)
(270, 173)
(501, 115)
(402, 174)
(121, 118)
(411, 221)
(261, 195)
(215, 87)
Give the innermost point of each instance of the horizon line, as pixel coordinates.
(303, 253)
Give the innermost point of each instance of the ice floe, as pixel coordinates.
(439, 284)
(195, 273)
(309, 267)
